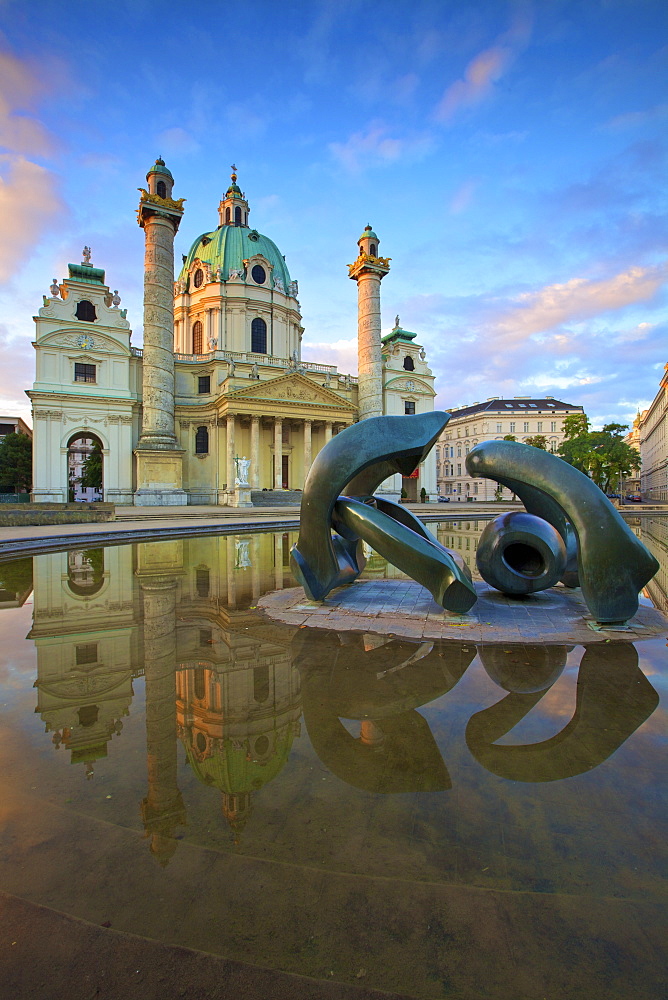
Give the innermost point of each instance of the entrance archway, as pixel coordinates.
(85, 467)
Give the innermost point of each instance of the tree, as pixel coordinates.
(16, 463)
(602, 455)
(575, 425)
(537, 441)
(509, 437)
(91, 470)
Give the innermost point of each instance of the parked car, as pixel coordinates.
(613, 496)
(634, 498)
(444, 499)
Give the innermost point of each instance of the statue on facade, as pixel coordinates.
(255, 371)
(293, 289)
(278, 285)
(236, 274)
(55, 289)
(115, 299)
(243, 465)
(86, 254)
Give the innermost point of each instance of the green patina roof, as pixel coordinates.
(159, 168)
(84, 272)
(229, 246)
(368, 234)
(398, 334)
(234, 189)
(231, 772)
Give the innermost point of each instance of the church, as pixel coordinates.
(218, 406)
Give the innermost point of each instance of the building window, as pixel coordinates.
(86, 311)
(258, 274)
(459, 470)
(553, 425)
(202, 441)
(459, 453)
(86, 654)
(198, 336)
(526, 426)
(161, 189)
(540, 425)
(84, 373)
(409, 364)
(409, 406)
(228, 215)
(512, 426)
(237, 216)
(258, 336)
(204, 384)
(198, 278)
(202, 582)
(498, 428)
(373, 249)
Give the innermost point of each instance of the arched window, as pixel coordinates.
(198, 277)
(202, 441)
(161, 189)
(86, 311)
(197, 338)
(373, 250)
(228, 214)
(258, 336)
(409, 364)
(237, 216)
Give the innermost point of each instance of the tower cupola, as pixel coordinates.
(160, 180)
(233, 208)
(368, 242)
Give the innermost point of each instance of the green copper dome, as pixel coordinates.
(231, 771)
(368, 234)
(159, 168)
(228, 247)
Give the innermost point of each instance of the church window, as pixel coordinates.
(198, 336)
(198, 278)
(202, 575)
(202, 441)
(86, 311)
(261, 683)
(409, 406)
(84, 373)
(200, 691)
(88, 715)
(237, 216)
(86, 654)
(205, 637)
(258, 335)
(259, 274)
(161, 189)
(228, 214)
(204, 384)
(409, 364)
(373, 249)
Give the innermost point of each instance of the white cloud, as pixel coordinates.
(29, 202)
(373, 147)
(342, 353)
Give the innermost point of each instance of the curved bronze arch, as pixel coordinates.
(613, 699)
(613, 565)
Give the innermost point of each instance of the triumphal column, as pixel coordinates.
(159, 458)
(368, 271)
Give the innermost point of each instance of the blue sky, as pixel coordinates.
(510, 155)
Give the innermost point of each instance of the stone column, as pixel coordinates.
(328, 431)
(307, 447)
(368, 271)
(278, 453)
(159, 458)
(230, 556)
(231, 468)
(255, 452)
(162, 809)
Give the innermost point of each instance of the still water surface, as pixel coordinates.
(435, 819)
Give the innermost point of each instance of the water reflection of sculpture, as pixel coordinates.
(382, 686)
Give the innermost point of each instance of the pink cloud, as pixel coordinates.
(29, 203)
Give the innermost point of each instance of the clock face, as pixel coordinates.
(85, 340)
(410, 386)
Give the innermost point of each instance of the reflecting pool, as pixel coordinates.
(435, 819)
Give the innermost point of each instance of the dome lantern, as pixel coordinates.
(233, 208)
(160, 180)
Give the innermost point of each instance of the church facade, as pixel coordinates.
(218, 406)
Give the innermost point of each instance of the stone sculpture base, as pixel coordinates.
(159, 478)
(404, 608)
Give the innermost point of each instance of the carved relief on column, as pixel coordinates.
(278, 453)
(370, 362)
(255, 452)
(231, 467)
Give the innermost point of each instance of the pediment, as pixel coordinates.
(291, 388)
(73, 339)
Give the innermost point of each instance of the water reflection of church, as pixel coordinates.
(103, 617)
